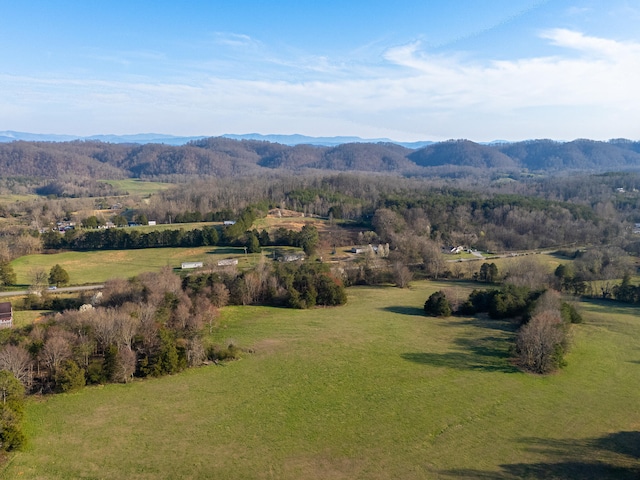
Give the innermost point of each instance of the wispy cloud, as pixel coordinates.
(609, 49)
(234, 39)
(414, 92)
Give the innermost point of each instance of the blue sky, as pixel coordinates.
(405, 70)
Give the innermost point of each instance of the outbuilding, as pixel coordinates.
(6, 315)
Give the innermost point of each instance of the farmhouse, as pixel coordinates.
(6, 315)
(186, 265)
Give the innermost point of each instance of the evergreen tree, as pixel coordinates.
(437, 305)
(58, 276)
(7, 275)
(11, 411)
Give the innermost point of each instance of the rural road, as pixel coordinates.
(17, 293)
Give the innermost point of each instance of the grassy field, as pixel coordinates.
(371, 390)
(173, 226)
(135, 186)
(108, 264)
(26, 317)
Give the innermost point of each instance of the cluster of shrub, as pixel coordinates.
(290, 284)
(626, 291)
(543, 337)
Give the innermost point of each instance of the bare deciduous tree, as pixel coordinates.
(125, 365)
(38, 279)
(196, 353)
(219, 295)
(56, 349)
(402, 276)
(18, 361)
(541, 342)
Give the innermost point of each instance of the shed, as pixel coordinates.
(6, 315)
(186, 265)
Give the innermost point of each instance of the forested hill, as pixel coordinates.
(225, 157)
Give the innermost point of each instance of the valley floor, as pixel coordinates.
(370, 390)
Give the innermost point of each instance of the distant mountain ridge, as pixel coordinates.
(228, 157)
(143, 138)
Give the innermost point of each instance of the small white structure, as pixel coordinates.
(6, 315)
(186, 265)
(151, 223)
(227, 262)
(292, 257)
(228, 223)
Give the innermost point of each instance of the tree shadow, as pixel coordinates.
(404, 310)
(487, 323)
(489, 354)
(226, 251)
(477, 350)
(614, 456)
(625, 443)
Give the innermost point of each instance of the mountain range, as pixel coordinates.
(142, 138)
(227, 157)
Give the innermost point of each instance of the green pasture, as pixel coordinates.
(99, 266)
(173, 226)
(16, 197)
(134, 186)
(27, 317)
(370, 390)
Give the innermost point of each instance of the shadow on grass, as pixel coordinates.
(404, 310)
(480, 354)
(226, 251)
(489, 354)
(614, 456)
(510, 326)
(486, 346)
(611, 306)
(615, 316)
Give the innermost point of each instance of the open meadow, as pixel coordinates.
(134, 186)
(99, 266)
(370, 390)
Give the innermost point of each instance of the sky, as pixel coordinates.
(405, 70)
